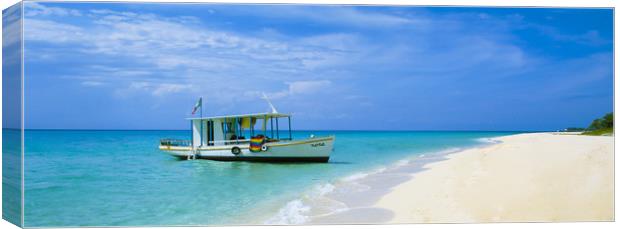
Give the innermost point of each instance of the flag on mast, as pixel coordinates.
(198, 105)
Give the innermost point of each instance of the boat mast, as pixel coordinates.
(273, 109)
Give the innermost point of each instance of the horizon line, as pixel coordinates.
(368, 130)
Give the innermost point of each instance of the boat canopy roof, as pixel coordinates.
(257, 115)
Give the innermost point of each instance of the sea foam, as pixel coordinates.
(292, 213)
(296, 211)
(488, 140)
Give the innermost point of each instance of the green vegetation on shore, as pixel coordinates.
(603, 126)
(600, 132)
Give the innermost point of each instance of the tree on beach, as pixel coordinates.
(602, 126)
(606, 121)
(609, 120)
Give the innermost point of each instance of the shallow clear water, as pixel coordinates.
(120, 178)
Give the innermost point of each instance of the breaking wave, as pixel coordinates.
(488, 140)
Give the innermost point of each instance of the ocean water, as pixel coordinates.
(11, 175)
(120, 178)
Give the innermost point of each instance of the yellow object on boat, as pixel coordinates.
(247, 122)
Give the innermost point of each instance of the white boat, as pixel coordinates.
(235, 138)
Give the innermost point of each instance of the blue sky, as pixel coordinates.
(143, 66)
(11, 68)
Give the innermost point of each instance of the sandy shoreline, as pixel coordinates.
(538, 177)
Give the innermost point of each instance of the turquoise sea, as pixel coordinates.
(120, 178)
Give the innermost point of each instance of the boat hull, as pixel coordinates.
(264, 159)
(307, 150)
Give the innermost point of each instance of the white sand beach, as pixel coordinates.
(537, 177)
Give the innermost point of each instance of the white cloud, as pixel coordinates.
(50, 31)
(92, 83)
(168, 88)
(296, 88)
(11, 26)
(154, 38)
(181, 51)
(339, 15)
(139, 85)
(169, 52)
(155, 89)
(36, 9)
(591, 37)
(11, 37)
(307, 87)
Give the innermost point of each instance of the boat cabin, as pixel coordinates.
(238, 129)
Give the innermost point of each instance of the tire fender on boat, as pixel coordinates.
(235, 150)
(264, 148)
